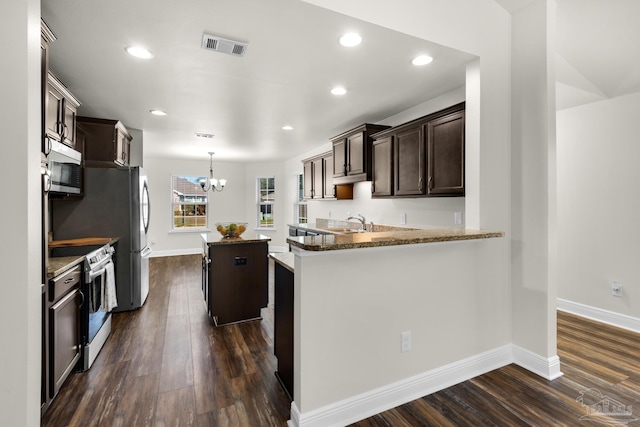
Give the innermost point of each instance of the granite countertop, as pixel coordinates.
(329, 242)
(58, 265)
(215, 238)
(285, 259)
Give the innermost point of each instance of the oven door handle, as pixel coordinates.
(93, 274)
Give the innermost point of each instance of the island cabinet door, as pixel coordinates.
(238, 281)
(283, 325)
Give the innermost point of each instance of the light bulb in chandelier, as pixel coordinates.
(212, 183)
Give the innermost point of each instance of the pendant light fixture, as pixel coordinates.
(212, 183)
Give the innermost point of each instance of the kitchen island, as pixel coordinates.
(235, 276)
(383, 317)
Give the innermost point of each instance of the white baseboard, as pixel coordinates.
(605, 316)
(175, 252)
(384, 398)
(194, 251)
(548, 368)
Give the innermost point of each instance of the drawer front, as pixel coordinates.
(60, 285)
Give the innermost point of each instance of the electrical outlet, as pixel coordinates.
(405, 339)
(616, 289)
(457, 218)
(403, 218)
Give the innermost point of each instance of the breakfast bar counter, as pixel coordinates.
(356, 240)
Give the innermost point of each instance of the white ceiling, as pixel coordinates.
(292, 62)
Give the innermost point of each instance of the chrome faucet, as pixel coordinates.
(360, 219)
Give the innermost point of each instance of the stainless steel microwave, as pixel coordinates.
(65, 169)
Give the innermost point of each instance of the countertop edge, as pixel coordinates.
(381, 239)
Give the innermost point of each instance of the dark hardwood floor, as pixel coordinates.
(166, 365)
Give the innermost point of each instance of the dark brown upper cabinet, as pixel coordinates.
(445, 146)
(382, 173)
(352, 154)
(107, 142)
(61, 108)
(427, 157)
(318, 179)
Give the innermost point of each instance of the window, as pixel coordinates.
(299, 203)
(188, 204)
(266, 200)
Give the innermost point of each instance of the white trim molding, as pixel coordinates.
(384, 398)
(175, 252)
(598, 314)
(548, 368)
(373, 402)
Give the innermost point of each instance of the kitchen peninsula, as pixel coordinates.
(383, 317)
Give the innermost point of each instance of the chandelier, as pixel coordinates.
(212, 183)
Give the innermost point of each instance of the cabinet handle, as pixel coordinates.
(373, 187)
(81, 299)
(430, 182)
(420, 184)
(313, 193)
(65, 131)
(69, 280)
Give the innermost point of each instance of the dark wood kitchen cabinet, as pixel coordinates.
(318, 179)
(107, 142)
(352, 154)
(64, 318)
(313, 178)
(427, 157)
(445, 154)
(61, 109)
(237, 280)
(382, 172)
(283, 271)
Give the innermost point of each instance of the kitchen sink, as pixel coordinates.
(346, 230)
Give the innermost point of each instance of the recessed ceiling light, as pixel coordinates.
(350, 39)
(338, 90)
(138, 52)
(158, 112)
(422, 60)
(287, 127)
(204, 135)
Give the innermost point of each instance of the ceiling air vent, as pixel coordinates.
(219, 44)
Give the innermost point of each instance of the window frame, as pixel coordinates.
(199, 194)
(299, 202)
(269, 202)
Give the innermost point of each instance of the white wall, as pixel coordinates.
(533, 178)
(599, 203)
(20, 316)
(227, 205)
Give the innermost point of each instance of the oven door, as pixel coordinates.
(97, 317)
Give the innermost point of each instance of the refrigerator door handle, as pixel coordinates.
(145, 252)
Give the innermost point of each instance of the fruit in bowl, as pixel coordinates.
(231, 229)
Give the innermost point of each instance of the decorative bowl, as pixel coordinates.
(231, 229)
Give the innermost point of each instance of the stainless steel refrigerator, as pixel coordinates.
(115, 204)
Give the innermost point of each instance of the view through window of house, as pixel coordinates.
(188, 203)
(299, 204)
(266, 200)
